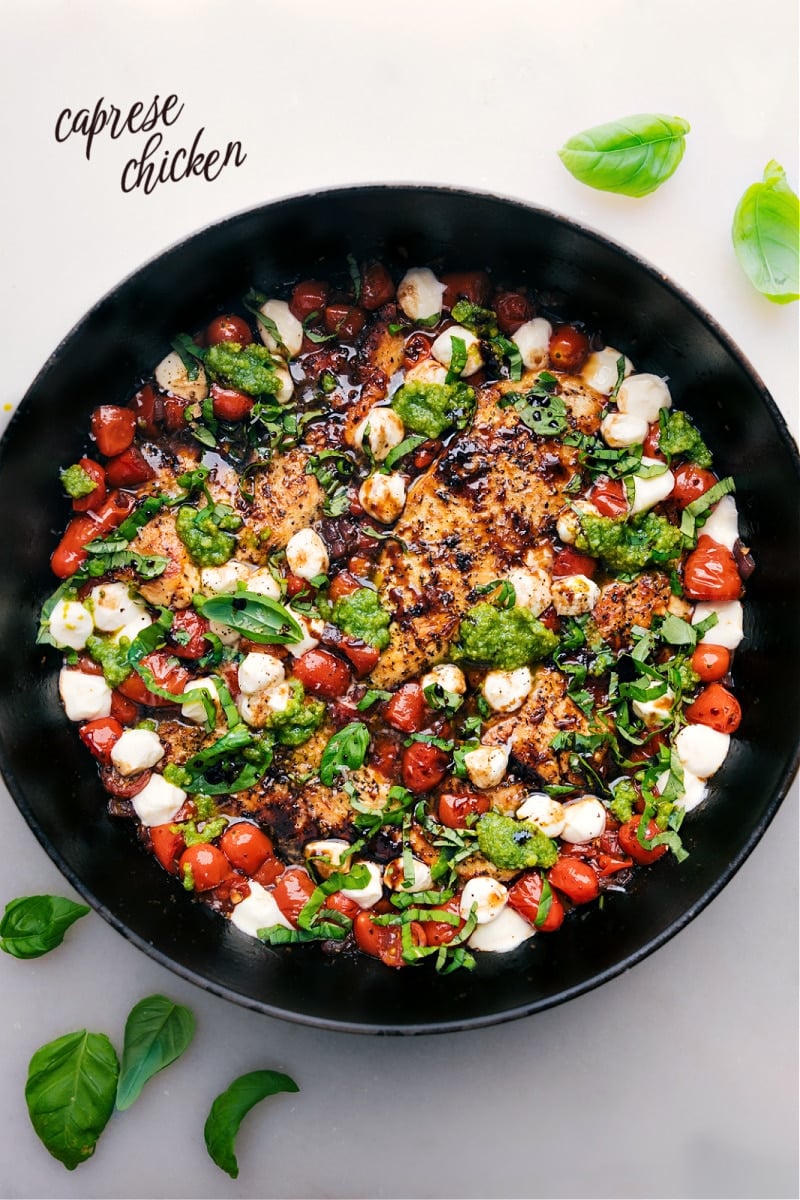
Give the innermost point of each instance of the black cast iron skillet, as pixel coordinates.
(53, 779)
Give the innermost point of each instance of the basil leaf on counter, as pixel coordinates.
(70, 1094)
(232, 1106)
(765, 232)
(156, 1033)
(258, 617)
(632, 156)
(33, 925)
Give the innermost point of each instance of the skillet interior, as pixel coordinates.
(53, 779)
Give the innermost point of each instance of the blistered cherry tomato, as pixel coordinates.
(608, 497)
(711, 662)
(361, 655)
(609, 864)
(228, 404)
(651, 446)
(122, 709)
(167, 846)
(124, 787)
(474, 286)
(711, 573)
(343, 904)
(96, 497)
(228, 328)
(524, 896)
(569, 348)
(271, 869)
(129, 469)
(343, 584)
(513, 309)
(245, 846)
(69, 554)
(113, 428)
(407, 710)
(717, 708)
(167, 674)
(576, 879)
(322, 673)
(384, 755)
(567, 561)
(101, 736)
(417, 348)
(344, 320)
(308, 297)
(384, 941)
(208, 866)
(295, 585)
(377, 286)
(629, 841)
(423, 766)
(453, 811)
(691, 483)
(145, 411)
(187, 634)
(441, 933)
(292, 892)
(175, 413)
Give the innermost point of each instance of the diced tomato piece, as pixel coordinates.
(230, 405)
(717, 708)
(710, 572)
(608, 497)
(95, 498)
(122, 709)
(343, 904)
(453, 811)
(101, 736)
(362, 656)
(525, 897)
(384, 941)
(407, 709)
(113, 428)
(271, 869)
(175, 413)
(567, 561)
(343, 584)
(145, 411)
(168, 675)
(129, 469)
(322, 673)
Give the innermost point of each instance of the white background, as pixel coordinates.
(678, 1079)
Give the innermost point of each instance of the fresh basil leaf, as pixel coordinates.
(346, 749)
(258, 617)
(190, 354)
(34, 925)
(156, 1033)
(253, 302)
(70, 1091)
(632, 156)
(355, 276)
(505, 348)
(678, 632)
(316, 338)
(703, 503)
(458, 359)
(371, 697)
(232, 1106)
(544, 905)
(765, 236)
(405, 447)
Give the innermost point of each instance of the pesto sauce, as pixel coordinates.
(205, 532)
(300, 720)
(249, 369)
(112, 657)
(361, 615)
(432, 408)
(628, 546)
(504, 638)
(514, 845)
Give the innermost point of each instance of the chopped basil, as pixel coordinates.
(355, 276)
(372, 697)
(703, 503)
(190, 354)
(346, 750)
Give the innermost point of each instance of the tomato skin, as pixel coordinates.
(145, 410)
(417, 347)
(567, 561)
(407, 710)
(576, 879)
(123, 710)
(96, 497)
(569, 348)
(377, 286)
(129, 469)
(474, 286)
(453, 811)
(175, 413)
(345, 320)
(384, 755)
(691, 483)
(629, 841)
(608, 497)
(710, 662)
(651, 447)
(311, 295)
(711, 573)
(100, 737)
(208, 865)
(343, 904)
(423, 766)
(228, 404)
(270, 870)
(384, 941)
(295, 585)
(167, 846)
(228, 328)
(69, 554)
(292, 891)
(187, 621)
(440, 933)
(513, 309)
(245, 846)
(717, 708)
(524, 897)
(125, 787)
(322, 673)
(168, 675)
(343, 584)
(362, 656)
(113, 428)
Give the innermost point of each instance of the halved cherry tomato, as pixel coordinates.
(101, 736)
(576, 879)
(423, 766)
(567, 561)
(407, 710)
(343, 584)
(129, 469)
(145, 410)
(717, 708)
(711, 573)
(113, 428)
(295, 585)
(175, 413)
(187, 634)
(168, 674)
(345, 320)
(230, 405)
(207, 864)
(322, 673)
(629, 841)
(652, 446)
(524, 896)
(125, 787)
(711, 662)
(513, 309)
(417, 347)
(453, 811)
(691, 483)
(357, 564)
(384, 941)
(167, 846)
(292, 892)
(441, 933)
(271, 869)
(569, 348)
(228, 328)
(608, 497)
(474, 286)
(69, 554)
(122, 709)
(96, 497)
(377, 286)
(609, 864)
(311, 295)
(343, 904)
(245, 846)
(361, 655)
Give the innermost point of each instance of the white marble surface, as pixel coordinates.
(677, 1079)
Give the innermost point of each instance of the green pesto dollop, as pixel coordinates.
(193, 835)
(623, 799)
(482, 321)
(247, 368)
(514, 845)
(504, 638)
(361, 615)
(628, 546)
(77, 482)
(299, 720)
(679, 435)
(112, 657)
(205, 532)
(431, 408)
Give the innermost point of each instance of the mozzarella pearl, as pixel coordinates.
(702, 750)
(545, 812)
(644, 396)
(486, 765)
(70, 624)
(426, 371)
(218, 581)
(383, 497)
(309, 639)
(228, 636)
(568, 525)
(723, 524)
(694, 789)
(421, 878)
(419, 294)
(623, 429)
(532, 588)
(134, 627)
(286, 385)
(584, 820)
(290, 330)
(328, 855)
(85, 697)
(158, 802)
(506, 933)
(728, 631)
(257, 911)
(307, 554)
(113, 607)
(264, 583)
(533, 342)
(448, 676)
(386, 430)
(258, 709)
(194, 710)
(654, 712)
(259, 671)
(574, 594)
(488, 896)
(649, 492)
(372, 892)
(171, 376)
(136, 750)
(600, 370)
(506, 691)
(442, 349)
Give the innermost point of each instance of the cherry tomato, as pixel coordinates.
(377, 286)
(307, 297)
(208, 866)
(101, 736)
(228, 404)
(426, 454)
(576, 879)
(525, 895)
(609, 864)
(125, 787)
(271, 869)
(167, 846)
(569, 348)
(711, 662)
(475, 286)
(608, 497)
(651, 446)
(322, 673)
(362, 656)
(629, 841)
(245, 846)
(453, 811)
(417, 347)
(423, 766)
(295, 585)
(357, 564)
(175, 413)
(441, 933)
(711, 573)
(69, 554)
(384, 941)
(187, 634)
(717, 708)
(343, 904)
(407, 710)
(650, 747)
(343, 584)
(384, 755)
(168, 674)
(228, 328)
(113, 428)
(344, 320)
(96, 497)
(145, 410)
(123, 710)
(292, 892)
(513, 309)
(129, 469)
(567, 561)
(691, 483)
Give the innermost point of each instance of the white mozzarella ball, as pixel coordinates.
(136, 750)
(264, 583)
(729, 630)
(228, 636)
(419, 294)
(584, 819)
(85, 697)
(134, 627)
(442, 349)
(544, 811)
(290, 330)
(506, 691)
(486, 895)
(307, 554)
(486, 765)
(70, 624)
(369, 895)
(421, 878)
(286, 385)
(723, 524)
(533, 341)
(532, 588)
(259, 671)
(574, 594)
(158, 802)
(383, 497)
(568, 525)
(623, 429)
(171, 376)
(426, 371)
(702, 750)
(649, 492)
(503, 935)
(448, 676)
(327, 855)
(113, 606)
(311, 631)
(257, 911)
(386, 430)
(194, 710)
(600, 370)
(644, 396)
(693, 793)
(218, 581)
(654, 712)
(258, 709)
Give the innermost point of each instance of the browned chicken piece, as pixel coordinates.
(380, 356)
(623, 605)
(286, 499)
(181, 579)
